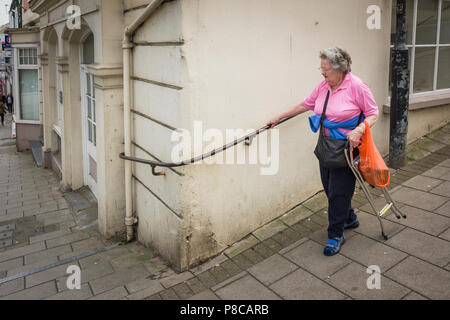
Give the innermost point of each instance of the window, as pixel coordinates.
(28, 56)
(88, 50)
(90, 101)
(428, 42)
(88, 57)
(27, 83)
(28, 86)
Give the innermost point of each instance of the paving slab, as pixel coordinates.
(422, 277)
(219, 273)
(103, 257)
(438, 172)
(204, 295)
(264, 250)
(21, 251)
(119, 278)
(229, 280)
(59, 218)
(49, 254)
(269, 230)
(47, 275)
(241, 246)
(422, 220)
(414, 296)
(370, 226)
(295, 215)
(419, 199)
(272, 269)
(246, 288)
(50, 235)
(183, 291)
(157, 268)
(66, 239)
(195, 285)
(11, 264)
(310, 257)
(423, 183)
(5, 234)
(128, 260)
(87, 245)
(28, 267)
(114, 294)
(86, 275)
(7, 227)
(176, 279)
(445, 163)
(369, 252)
(316, 203)
(12, 286)
(149, 290)
(155, 297)
(77, 201)
(209, 264)
(11, 216)
(35, 293)
(353, 281)
(442, 189)
(168, 294)
(422, 245)
(301, 285)
(444, 209)
(75, 294)
(141, 284)
(292, 246)
(207, 279)
(445, 235)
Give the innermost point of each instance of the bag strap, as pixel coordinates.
(360, 117)
(324, 110)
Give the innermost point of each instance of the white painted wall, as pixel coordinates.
(242, 63)
(157, 200)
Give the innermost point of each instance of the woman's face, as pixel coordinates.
(331, 76)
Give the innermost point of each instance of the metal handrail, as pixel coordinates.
(248, 140)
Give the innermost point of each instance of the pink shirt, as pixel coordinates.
(352, 97)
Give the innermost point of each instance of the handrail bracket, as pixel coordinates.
(159, 173)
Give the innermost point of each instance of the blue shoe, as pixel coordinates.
(352, 225)
(333, 246)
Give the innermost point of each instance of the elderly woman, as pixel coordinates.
(348, 98)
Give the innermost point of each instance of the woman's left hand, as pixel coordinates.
(354, 137)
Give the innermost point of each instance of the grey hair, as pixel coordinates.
(338, 57)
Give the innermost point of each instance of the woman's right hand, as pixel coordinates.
(273, 122)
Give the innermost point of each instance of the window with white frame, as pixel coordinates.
(27, 72)
(428, 42)
(90, 101)
(28, 56)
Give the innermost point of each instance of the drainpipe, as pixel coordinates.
(127, 46)
(399, 92)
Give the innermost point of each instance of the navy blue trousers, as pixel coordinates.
(339, 186)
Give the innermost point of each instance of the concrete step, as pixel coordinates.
(36, 149)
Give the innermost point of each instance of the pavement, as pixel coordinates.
(44, 231)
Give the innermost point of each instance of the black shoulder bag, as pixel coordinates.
(329, 151)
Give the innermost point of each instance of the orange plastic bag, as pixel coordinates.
(371, 165)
